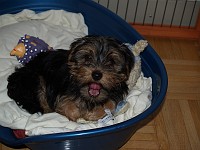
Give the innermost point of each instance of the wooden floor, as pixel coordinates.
(177, 125)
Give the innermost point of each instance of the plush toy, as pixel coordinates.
(28, 47)
(136, 71)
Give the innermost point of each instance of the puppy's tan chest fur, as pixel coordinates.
(74, 110)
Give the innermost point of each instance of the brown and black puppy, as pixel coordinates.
(79, 83)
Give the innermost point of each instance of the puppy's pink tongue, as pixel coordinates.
(94, 89)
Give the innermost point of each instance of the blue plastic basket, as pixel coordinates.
(100, 21)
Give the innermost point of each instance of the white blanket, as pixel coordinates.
(57, 28)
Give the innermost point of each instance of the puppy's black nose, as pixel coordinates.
(97, 75)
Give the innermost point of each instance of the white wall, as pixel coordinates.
(155, 12)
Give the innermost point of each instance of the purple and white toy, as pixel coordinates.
(28, 47)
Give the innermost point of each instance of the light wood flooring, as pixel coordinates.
(177, 125)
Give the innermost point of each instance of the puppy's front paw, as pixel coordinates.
(96, 114)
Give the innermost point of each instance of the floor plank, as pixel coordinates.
(189, 124)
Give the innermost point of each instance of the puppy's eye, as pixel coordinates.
(88, 60)
(110, 63)
(113, 64)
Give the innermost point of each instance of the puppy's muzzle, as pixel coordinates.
(94, 87)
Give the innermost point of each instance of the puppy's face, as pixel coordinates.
(99, 65)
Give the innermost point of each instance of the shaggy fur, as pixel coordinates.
(79, 83)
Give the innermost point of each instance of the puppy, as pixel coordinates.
(78, 83)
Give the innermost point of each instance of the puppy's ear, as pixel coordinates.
(74, 47)
(78, 42)
(129, 58)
